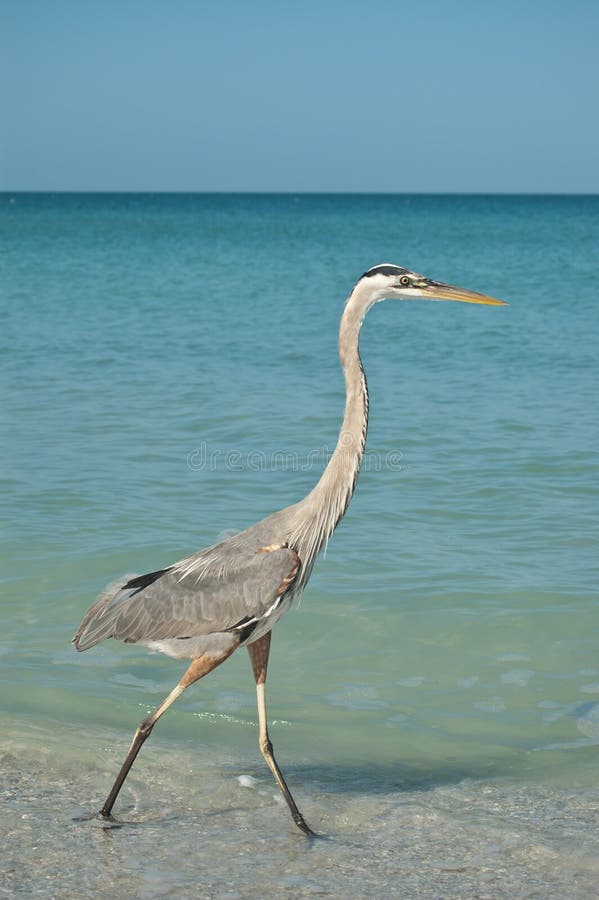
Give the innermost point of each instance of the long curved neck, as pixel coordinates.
(335, 488)
(325, 505)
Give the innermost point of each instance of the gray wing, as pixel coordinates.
(167, 604)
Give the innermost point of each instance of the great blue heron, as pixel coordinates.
(231, 594)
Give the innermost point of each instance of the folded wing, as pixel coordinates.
(167, 604)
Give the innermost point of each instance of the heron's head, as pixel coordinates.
(386, 281)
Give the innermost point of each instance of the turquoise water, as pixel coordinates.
(170, 375)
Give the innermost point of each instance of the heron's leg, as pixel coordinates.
(259, 651)
(197, 669)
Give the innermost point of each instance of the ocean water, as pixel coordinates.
(170, 375)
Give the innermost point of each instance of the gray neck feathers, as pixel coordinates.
(319, 512)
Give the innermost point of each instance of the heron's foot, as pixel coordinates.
(303, 826)
(107, 821)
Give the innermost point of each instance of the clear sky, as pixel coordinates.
(359, 95)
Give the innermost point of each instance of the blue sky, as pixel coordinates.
(300, 96)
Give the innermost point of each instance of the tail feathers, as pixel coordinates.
(92, 630)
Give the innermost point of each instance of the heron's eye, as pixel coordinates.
(404, 281)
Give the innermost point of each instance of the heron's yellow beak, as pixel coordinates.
(436, 290)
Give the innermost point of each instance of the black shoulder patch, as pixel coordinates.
(385, 269)
(143, 581)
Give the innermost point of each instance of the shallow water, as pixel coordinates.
(172, 375)
(450, 834)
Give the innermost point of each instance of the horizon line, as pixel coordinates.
(290, 193)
